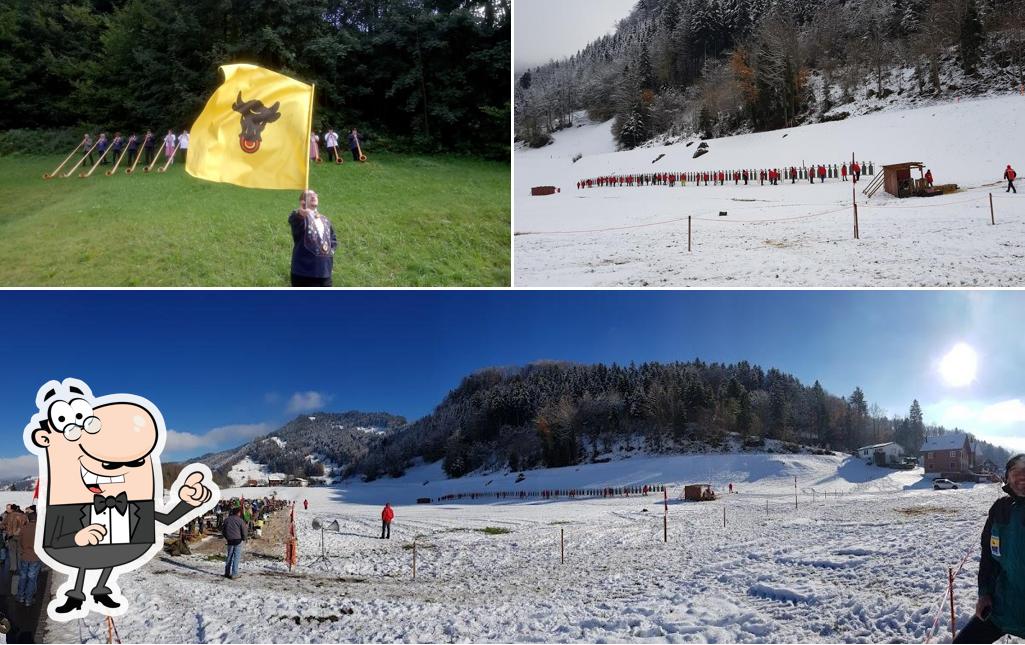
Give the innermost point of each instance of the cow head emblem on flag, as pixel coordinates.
(254, 117)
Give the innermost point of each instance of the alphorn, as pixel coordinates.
(118, 162)
(98, 162)
(142, 148)
(148, 168)
(362, 157)
(66, 160)
(75, 167)
(169, 159)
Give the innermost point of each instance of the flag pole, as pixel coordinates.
(306, 148)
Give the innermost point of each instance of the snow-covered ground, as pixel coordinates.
(786, 235)
(864, 562)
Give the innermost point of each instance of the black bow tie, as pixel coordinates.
(119, 503)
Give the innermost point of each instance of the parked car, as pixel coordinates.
(943, 484)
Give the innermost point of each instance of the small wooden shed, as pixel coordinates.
(698, 492)
(897, 179)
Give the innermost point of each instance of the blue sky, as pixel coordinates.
(224, 366)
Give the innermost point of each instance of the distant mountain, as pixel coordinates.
(324, 445)
(27, 483)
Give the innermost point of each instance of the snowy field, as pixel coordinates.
(786, 235)
(866, 562)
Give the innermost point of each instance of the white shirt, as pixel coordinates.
(117, 525)
(332, 139)
(169, 140)
(183, 141)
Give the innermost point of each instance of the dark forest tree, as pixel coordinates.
(425, 74)
(716, 67)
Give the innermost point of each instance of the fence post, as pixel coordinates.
(992, 218)
(562, 545)
(414, 558)
(724, 516)
(953, 623)
(688, 234)
(665, 516)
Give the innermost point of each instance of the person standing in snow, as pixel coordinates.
(1000, 609)
(235, 533)
(928, 177)
(387, 515)
(1010, 175)
(855, 172)
(306, 504)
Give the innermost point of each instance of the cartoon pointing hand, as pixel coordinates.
(193, 492)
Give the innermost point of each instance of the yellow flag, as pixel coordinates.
(254, 131)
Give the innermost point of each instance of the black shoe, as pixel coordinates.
(70, 605)
(106, 601)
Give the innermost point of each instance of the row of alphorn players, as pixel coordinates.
(119, 148)
(720, 177)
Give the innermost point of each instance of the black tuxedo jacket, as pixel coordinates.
(63, 521)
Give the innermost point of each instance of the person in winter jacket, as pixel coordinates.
(235, 533)
(855, 171)
(822, 174)
(1010, 175)
(387, 515)
(928, 178)
(1000, 609)
(843, 172)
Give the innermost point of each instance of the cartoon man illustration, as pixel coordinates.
(100, 470)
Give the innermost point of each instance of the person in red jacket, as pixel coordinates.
(306, 504)
(855, 172)
(387, 515)
(843, 172)
(928, 178)
(822, 174)
(793, 175)
(1010, 175)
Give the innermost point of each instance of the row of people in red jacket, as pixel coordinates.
(772, 175)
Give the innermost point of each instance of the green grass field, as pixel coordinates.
(401, 221)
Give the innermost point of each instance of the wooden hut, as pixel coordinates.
(698, 492)
(897, 179)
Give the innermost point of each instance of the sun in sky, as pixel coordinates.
(959, 366)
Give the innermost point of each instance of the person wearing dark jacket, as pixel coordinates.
(313, 244)
(387, 515)
(149, 145)
(1000, 609)
(235, 533)
(354, 144)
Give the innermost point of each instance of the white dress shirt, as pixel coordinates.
(117, 525)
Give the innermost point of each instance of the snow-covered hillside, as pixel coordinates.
(866, 562)
(786, 235)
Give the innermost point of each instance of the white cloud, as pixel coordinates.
(18, 467)
(307, 402)
(1012, 411)
(186, 442)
